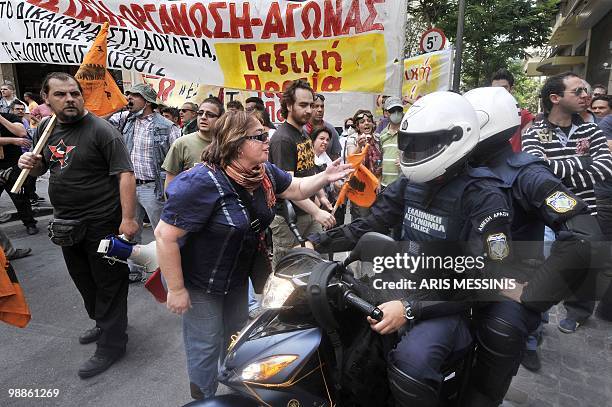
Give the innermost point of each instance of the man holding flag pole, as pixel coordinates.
(93, 192)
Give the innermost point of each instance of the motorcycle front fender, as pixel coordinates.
(226, 400)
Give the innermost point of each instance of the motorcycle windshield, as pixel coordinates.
(297, 264)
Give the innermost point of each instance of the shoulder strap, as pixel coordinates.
(270, 175)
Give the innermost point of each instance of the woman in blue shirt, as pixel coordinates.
(209, 233)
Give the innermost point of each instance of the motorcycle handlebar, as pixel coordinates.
(363, 306)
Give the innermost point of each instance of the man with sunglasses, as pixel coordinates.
(316, 120)
(576, 152)
(186, 151)
(189, 117)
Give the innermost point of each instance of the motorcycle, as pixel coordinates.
(312, 345)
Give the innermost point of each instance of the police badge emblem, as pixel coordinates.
(498, 246)
(561, 202)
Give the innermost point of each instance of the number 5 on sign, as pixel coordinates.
(433, 40)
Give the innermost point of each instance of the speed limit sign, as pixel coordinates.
(433, 40)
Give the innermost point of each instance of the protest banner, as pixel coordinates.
(337, 45)
(171, 92)
(423, 74)
(427, 73)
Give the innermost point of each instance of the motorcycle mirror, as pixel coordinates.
(288, 213)
(369, 246)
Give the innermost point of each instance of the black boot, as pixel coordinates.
(99, 362)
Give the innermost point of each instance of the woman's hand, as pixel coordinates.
(178, 301)
(336, 171)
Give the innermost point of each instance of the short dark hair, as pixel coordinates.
(16, 102)
(172, 111)
(288, 98)
(236, 104)
(605, 98)
(554, 85)
(318, 130)
(255, 99)
(194, 106)
(600, 85)
(503, 74)
(213, 100)
(60, 76)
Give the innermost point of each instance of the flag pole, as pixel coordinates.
(37, 150)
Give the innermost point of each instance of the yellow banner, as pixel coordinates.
(426, 73)
(336, 45)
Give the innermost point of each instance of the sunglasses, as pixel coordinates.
(577, 91)
(262, 137)
(186, 110)
(319, 96)
(209, 115)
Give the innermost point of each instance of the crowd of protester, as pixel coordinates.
(203, 177)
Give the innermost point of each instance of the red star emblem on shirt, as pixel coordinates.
(59, 153)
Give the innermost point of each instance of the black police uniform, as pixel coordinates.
(538, 198)
(472, 216)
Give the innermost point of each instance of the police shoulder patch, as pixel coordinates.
(498, 246)
(561, 202)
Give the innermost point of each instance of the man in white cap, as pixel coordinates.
(148, 136)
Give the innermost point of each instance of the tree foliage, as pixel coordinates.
(496, 32)
(526, 89)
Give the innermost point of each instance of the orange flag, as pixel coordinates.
(13, 306)
(361, 185)
(100, 91)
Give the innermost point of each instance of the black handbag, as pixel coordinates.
(66, 232)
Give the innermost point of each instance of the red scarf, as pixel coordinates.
(251, 179)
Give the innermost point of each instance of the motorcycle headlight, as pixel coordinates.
(266, 368)
(276, 291)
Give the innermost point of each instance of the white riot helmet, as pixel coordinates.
(438, 131)
(498, 113)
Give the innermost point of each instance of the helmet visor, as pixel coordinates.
(418, 148)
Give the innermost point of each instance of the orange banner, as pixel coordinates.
(362, 184)
(13, 306)
(100, 91)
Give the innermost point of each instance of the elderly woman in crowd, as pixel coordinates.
(363, 120)
(209, 234)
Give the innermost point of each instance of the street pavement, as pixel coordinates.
(576, 368)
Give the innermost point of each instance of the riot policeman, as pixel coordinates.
(538, 198)
(438, 199)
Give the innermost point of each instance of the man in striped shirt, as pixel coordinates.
(576, 152)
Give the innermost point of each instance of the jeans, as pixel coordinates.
(253, 301)
(147, 202)
(535, 335)
(207, 328)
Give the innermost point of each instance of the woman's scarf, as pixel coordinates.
(251, 179)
